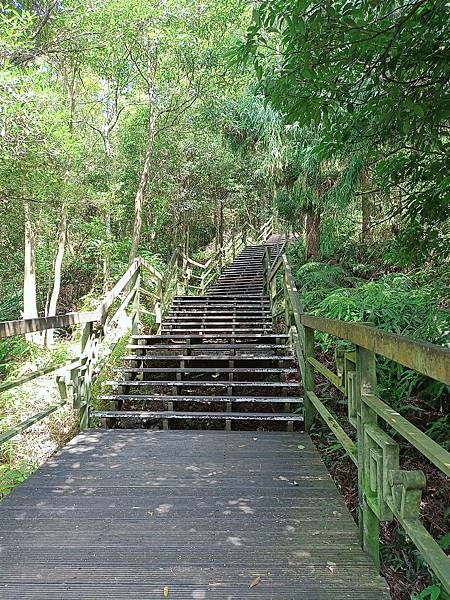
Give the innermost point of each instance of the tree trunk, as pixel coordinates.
(106, 269)
(57, 268)
(220, 232)
(29, 274)
(106, 130)
(139, 198)
(312, 233)
(366, 209)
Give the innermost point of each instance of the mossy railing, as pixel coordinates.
(385, 490)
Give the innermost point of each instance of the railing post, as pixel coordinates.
(202, 283)
(308, 380)
(287, 305)
(158, 304)
(366, 380)
(82, 398)
(136, 305)
(266, 272)
(273, 287)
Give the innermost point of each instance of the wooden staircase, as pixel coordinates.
(217, 360)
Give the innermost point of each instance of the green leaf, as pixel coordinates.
(444, 541)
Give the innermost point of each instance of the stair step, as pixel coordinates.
(221, 325)
(281, 336)
(218, 370)
(250, 287)
(238, 282)
(192, 328)
(229, 287)
(256, 259)
(227, 300)
(253, 287)
(203, 347)
(202, 383)
(157, 414)
(242, 279)
(206, 357)
(235, 287)
(243, 271)
(198, 314)
(202, 399)
(210, 318)
(220, 333)
(222, 307)
(238, 299)
(254, 267)
(252, 323)
(217, 297)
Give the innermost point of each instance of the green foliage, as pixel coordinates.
(10, 476)
(431, 592)
(406, 305)
(14, 350)
(392, 303)
(317, 281)
(439, 431)
(371, 78)
(73, 127)
(402, 557)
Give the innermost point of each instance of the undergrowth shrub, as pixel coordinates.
(409, 305)
(316, 280)
(13, 351)
(392, 303)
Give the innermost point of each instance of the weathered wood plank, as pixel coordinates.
(429, 359)
(121, 514)
(428, 447)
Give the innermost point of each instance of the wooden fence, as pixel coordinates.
(116, 315)
(385, 490)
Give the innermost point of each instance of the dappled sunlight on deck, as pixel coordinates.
(204, 513)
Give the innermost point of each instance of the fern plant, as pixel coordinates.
(408, 305)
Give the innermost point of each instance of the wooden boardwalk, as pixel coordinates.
(124, 513)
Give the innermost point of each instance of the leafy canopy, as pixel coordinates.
(370, 74)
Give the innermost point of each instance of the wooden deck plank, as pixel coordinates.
(123, 513)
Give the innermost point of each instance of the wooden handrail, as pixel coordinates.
(385, 490)
(428, 359)
(24, 326)
(153, 272)
(425, 358)
(76, 377)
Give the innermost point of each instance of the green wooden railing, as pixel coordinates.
(385, 490)
(141, 289)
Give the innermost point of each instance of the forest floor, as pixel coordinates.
(24, 453)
